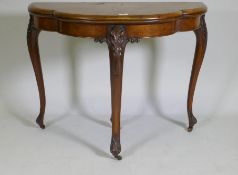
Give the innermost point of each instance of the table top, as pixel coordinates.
(117, 11)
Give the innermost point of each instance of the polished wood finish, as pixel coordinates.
(130, 12)
(32, 42)
(116, 24)
(201, 45)
(91, 19)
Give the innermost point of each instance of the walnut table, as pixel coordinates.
(116, 24)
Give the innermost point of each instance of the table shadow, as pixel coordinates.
(152, 84)
(62, 132)
(152, 78)
(14, 58)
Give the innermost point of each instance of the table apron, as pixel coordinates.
(80, 29)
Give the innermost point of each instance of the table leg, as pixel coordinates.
(116, 39)
(32, 42)
(201, 44)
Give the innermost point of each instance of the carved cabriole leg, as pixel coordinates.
(32, 42)
(201, 44)
(116, 40)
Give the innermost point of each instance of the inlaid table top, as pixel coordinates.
(109, 12)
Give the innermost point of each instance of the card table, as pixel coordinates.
(116, 24)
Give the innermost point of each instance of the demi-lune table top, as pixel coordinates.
(109, 12)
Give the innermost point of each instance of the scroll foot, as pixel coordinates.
(192, 122)
(40, 122)
(116, 147)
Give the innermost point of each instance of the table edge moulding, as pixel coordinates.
(116, 24)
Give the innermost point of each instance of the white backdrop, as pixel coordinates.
(156, 77)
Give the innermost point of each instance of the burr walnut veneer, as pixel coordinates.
(116, 24)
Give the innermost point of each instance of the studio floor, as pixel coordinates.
(77, 143)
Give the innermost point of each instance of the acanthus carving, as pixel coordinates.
(202, 31)
(116, 39)
(100, 40)
(30, 24)
(115, 147)
(31, 27)
(204, 26)
(133, 40)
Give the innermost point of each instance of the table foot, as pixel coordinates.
(118, 157)
(116, 147)
(192, 122)
(40, 122)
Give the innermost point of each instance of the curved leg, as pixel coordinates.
(32, 42)
(201, 37)
(116, 40)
